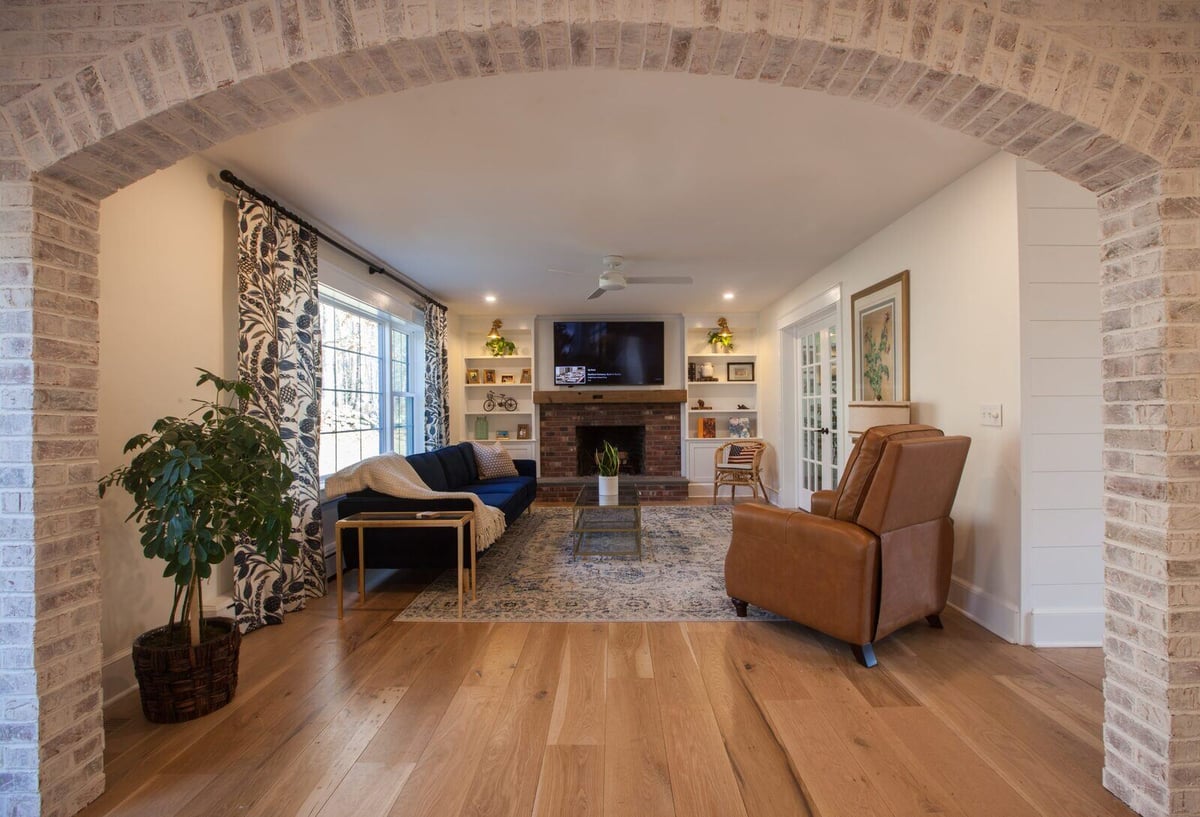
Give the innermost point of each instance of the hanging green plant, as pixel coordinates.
(497, 344)
(500, 347)
(721, 337)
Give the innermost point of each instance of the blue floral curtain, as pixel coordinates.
(437, 387)
(279, 354)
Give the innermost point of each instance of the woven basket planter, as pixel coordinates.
(179, 683)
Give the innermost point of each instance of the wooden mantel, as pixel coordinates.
(609, 397)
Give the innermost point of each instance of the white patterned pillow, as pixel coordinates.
(493, 461)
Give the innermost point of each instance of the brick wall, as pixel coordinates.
(1151, 321)
(1100, 91)
(558, 421)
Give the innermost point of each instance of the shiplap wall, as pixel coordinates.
(1062, 521)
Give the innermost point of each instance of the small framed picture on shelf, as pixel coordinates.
(508, 378)
(527, 375)
(502, 434)
(522, 431)
(472, 375)
(739, 372)
(489, 375)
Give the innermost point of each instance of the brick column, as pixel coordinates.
(1151, 324)
(18, 678)
(66, 352)
(51, 725)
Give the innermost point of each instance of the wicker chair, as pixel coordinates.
(739, 463)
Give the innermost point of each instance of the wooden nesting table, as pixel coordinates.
(406, 519)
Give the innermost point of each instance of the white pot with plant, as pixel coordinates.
(608, 461)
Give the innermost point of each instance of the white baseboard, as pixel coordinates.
(1066, 627)
(116, 676)
(986, 609)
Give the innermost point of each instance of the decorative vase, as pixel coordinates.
(706, 369)
(481, 428)
(608, 486)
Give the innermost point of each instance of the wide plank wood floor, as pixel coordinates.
(367, 717)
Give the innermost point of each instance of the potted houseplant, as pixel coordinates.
(200, 484)
(608, 461)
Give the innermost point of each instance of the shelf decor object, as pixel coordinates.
(879, 337)
(497, 344)
(740, 372)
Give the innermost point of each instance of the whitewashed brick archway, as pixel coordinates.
(1115, 128)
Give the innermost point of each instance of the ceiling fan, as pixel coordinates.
(613, 280)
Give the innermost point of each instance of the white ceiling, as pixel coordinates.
(477, 187)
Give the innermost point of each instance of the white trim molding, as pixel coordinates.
(808, 309)
(1001, 617)
(1066, 627)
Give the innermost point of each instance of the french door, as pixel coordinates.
(816, 360)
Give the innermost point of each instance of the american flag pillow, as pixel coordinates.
(741, 454)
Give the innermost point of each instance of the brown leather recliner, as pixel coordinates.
(874, 555)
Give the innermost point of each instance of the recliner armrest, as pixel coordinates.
(822, 502)
(818, 571)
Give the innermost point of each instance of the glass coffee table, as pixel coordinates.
(607, 519)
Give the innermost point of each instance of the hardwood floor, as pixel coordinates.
(368, 717)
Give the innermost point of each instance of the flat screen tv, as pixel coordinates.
(608, 353)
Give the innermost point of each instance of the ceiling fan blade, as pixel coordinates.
(596, 294)
(658, 279)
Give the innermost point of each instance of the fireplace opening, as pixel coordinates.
(630, 442)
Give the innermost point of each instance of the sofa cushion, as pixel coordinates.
(429, 469)
(468, 455)
(455, 466)
(493, 461)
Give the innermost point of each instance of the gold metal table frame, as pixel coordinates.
(406, 519)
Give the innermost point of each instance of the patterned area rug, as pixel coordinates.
(529, 575)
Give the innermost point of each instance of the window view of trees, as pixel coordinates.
(357, 385)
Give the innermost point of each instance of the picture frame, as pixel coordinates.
(527, 375)
(740, 372)
(502, 434)
(522, 431)
(489, 375)
(879, 340)
(508, 378)
(472, 376)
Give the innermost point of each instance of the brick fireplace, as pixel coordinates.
(646, 419)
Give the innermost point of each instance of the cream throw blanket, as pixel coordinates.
(392, 475)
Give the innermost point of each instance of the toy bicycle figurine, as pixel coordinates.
(503, 400)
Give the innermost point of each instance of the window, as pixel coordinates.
(368, 394)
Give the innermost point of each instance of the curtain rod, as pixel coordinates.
(372, 267)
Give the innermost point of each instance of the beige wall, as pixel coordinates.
(961, 249)
(169, 280)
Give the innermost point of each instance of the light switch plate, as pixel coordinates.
(991, 414)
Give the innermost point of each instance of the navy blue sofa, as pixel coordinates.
(447, 469)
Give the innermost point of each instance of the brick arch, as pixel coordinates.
(997, 77)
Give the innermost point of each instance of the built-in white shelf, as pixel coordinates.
(723, 411)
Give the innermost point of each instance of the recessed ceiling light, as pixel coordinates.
(728, 296)
(491, 299)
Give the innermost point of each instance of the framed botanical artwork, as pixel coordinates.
(489, 375)
(472, 375)
(739, 372)
(879, 340)
(527, 375)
